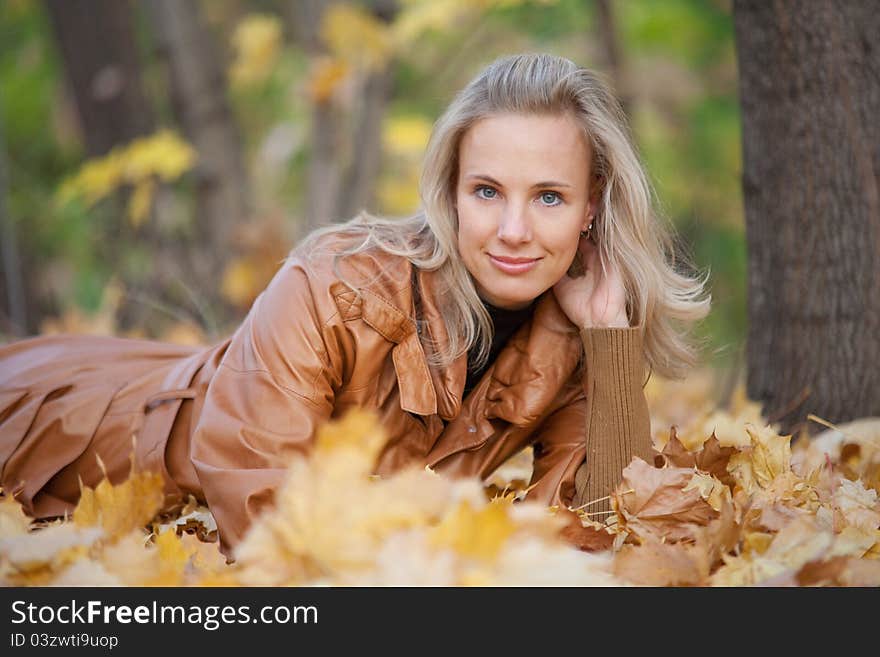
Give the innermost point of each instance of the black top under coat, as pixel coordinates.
(506, 323)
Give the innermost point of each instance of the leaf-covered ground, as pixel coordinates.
(727, 502)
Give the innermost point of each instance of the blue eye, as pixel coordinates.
(486, 193)
(550, 198)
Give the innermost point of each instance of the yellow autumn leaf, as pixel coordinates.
(756, 542)
(240, 281)
(141, 201)
(478, 533)
(173, 556)
(416, 18)
(163, 155)
(399, 194)
(99, 177)
(859, 505)
(406, 134)
(356, 37)
(746, 570)
(713, 491)
(768, 457)
(208, 566)
(358, 430)
(799, 543)
(327, 74)
(13, 521)
(729, 431)
(122, 508)
(257, 44)
(853, 542)
(34, 558)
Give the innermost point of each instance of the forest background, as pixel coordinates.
(159, 159)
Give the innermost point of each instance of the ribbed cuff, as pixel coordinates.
(618, 421)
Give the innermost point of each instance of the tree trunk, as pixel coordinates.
(810, 93)
(99, 53)
(15, 319)
(343, 162)
(198, 93)
(324, 175)
(360, 177)
(610, 52)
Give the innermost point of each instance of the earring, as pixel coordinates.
(586, 233)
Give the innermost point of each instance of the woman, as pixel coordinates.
(519, 307)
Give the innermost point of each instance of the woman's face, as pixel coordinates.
(522, 197)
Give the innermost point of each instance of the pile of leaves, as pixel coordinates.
(727, 502)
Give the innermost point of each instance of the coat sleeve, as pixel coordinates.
(583, 447)
(274, 387)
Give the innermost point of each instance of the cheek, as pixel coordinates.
(563, 237)
(473, 226)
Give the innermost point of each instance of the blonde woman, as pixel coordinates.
(525, 304)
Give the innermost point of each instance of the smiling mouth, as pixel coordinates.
(513, 266)
(512, 261)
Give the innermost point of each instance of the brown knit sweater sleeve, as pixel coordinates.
(618, 422)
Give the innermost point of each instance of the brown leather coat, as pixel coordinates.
(219, 422)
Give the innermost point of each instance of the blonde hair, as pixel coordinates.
(661, 295)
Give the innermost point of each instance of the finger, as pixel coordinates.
(589, 251)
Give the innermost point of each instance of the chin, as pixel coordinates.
(520, 298)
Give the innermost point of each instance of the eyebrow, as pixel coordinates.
(490, 179)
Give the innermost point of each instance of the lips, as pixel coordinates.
(513, 265)
(513, 261)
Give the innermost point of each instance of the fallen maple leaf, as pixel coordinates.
(758, 465)
(478, 533)
(859, 505)
(122, 508)
(588, 537)
(652, 502)
(711, 489)
(654, 563)
(710, 457)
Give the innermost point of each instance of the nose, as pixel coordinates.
(514, 226)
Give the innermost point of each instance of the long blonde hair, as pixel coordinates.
(661, 295)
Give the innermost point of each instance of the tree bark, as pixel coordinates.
(809, 77)
(610, 52)
(359, 181)
(98, 52)
(324, 174)
(198, 93)
(343, 161)
(13, 284)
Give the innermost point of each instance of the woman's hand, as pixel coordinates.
(593, 300)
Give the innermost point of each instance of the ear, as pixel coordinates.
(591, 214)
(596, 188)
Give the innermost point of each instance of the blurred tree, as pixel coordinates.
(611, 57)
(198, 94)
(324, 176)
(346, 137)
(99, 55)
(13, 288)
(97, 43)
(359, 179)
(810, 94)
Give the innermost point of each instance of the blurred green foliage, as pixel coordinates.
(679, 78)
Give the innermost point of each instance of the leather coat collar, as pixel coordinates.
(527, 375)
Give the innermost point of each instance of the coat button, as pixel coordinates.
(472, 429)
